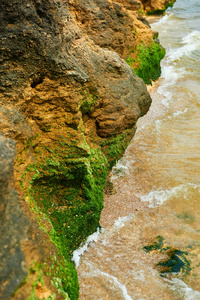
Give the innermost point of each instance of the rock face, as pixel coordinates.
(116, 25)
(43, 49)
(71, 105)
(156, 6)
(12, 227)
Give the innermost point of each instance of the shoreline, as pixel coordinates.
(121, 202)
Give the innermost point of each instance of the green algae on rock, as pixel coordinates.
(65, 185)
(148, 60)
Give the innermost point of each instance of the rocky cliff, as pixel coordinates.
(70, 102)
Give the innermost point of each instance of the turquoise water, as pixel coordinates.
(161, 168)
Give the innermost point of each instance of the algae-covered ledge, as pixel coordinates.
(71, 106)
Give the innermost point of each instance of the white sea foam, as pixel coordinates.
(181, 288)
(96, 273)
(120, 222)
(78, 252)
(191, 42)
(120, 169)
(179, 112)
(170, 75)
(162, 20)
(158, 197)
(193, 37)
(157, 125)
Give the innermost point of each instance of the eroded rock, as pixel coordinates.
(156, 6)
(12, 225)
(116, 25)
(71, 105)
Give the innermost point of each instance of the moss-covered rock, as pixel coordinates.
(65, 186)
(145, 61)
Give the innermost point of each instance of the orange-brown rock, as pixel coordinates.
(134, 5)
(156, 5)
(71, 104)
(116, 25)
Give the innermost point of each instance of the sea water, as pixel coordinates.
(161, 168)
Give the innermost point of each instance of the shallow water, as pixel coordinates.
(160, 168)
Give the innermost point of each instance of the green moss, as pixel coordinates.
(148, 61)
(59, 268)
(45, 127)
(155, 35)
(114, 147)
(66, 184)
(36, 268)
(63, 277)
(88, 98)
(141, 11)
(134, 31)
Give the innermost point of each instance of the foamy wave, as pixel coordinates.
(78, 252)
(191, 41)
(183, 289)
(179, 112)
(170, 75)
(119, 223)
(163, 20)
(120, 169)
(157, 126)
(192, 37)
(158, 197)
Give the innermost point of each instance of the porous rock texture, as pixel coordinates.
(70, 103)
(116, 25)
(13, 223)
(151, 6)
